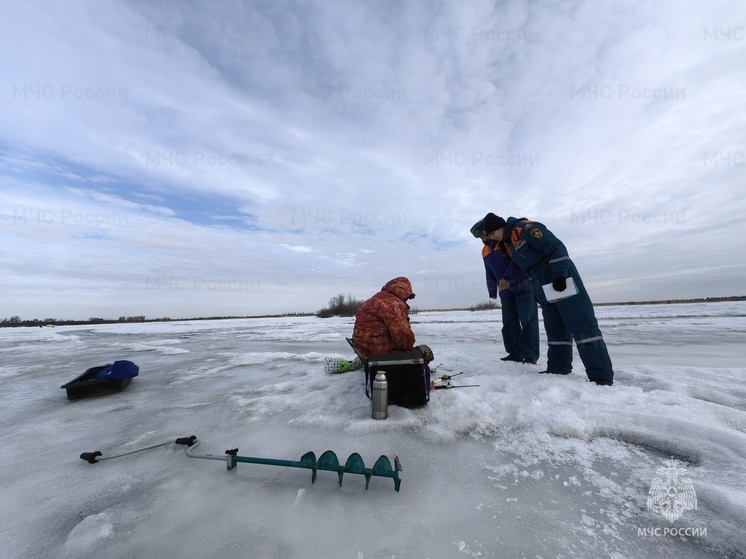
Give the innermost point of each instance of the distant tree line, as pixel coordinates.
(488, 306)
(339, 305)
(16, 321)
(677, 301)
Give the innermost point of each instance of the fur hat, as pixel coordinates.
(478, 229)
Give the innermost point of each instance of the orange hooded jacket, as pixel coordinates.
(382, 322)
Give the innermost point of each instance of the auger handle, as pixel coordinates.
(188, 441)
(93, 457)
(90, 457)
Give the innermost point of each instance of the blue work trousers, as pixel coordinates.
(572, 318)
(520, 329)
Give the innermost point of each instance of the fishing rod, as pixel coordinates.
(447, 384)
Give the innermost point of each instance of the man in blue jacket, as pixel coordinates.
(520, 330)
(539, 253)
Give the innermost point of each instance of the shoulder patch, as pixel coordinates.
(515, 238)
(536, 233)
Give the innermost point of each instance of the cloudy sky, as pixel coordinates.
(233, 158)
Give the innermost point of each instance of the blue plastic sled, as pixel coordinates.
(104, 379)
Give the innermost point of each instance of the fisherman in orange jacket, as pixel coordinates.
(382, 322)
(382, 326)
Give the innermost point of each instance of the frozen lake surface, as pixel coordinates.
(525, 465)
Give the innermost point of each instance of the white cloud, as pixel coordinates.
(368, 138)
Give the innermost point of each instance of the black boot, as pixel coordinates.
(511, 358)
(602, 381)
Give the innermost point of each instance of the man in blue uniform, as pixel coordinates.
(538, 252)
(520, 330)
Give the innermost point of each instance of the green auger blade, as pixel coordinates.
(355, 465)
(329, 461)
(308, 460)
(383, 468)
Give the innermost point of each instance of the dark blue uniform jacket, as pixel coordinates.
(533, 246)
(497, 266)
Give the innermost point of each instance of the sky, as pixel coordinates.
(523, 465)
(187, 159)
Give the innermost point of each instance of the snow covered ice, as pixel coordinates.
(525, 465)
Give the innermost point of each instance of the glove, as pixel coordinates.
(559, 283)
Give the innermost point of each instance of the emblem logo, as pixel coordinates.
(672, 493)
(536, 233)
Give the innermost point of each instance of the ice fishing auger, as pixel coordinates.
(328, 461)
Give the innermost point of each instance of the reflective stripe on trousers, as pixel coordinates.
(593, 339)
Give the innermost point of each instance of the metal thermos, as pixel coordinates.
(380, 396)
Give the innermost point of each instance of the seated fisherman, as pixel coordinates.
(382, 326)
(382, 322)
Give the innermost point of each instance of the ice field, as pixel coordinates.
(525, 465)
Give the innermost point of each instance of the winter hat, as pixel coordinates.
(492, 223)
(478, 229)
